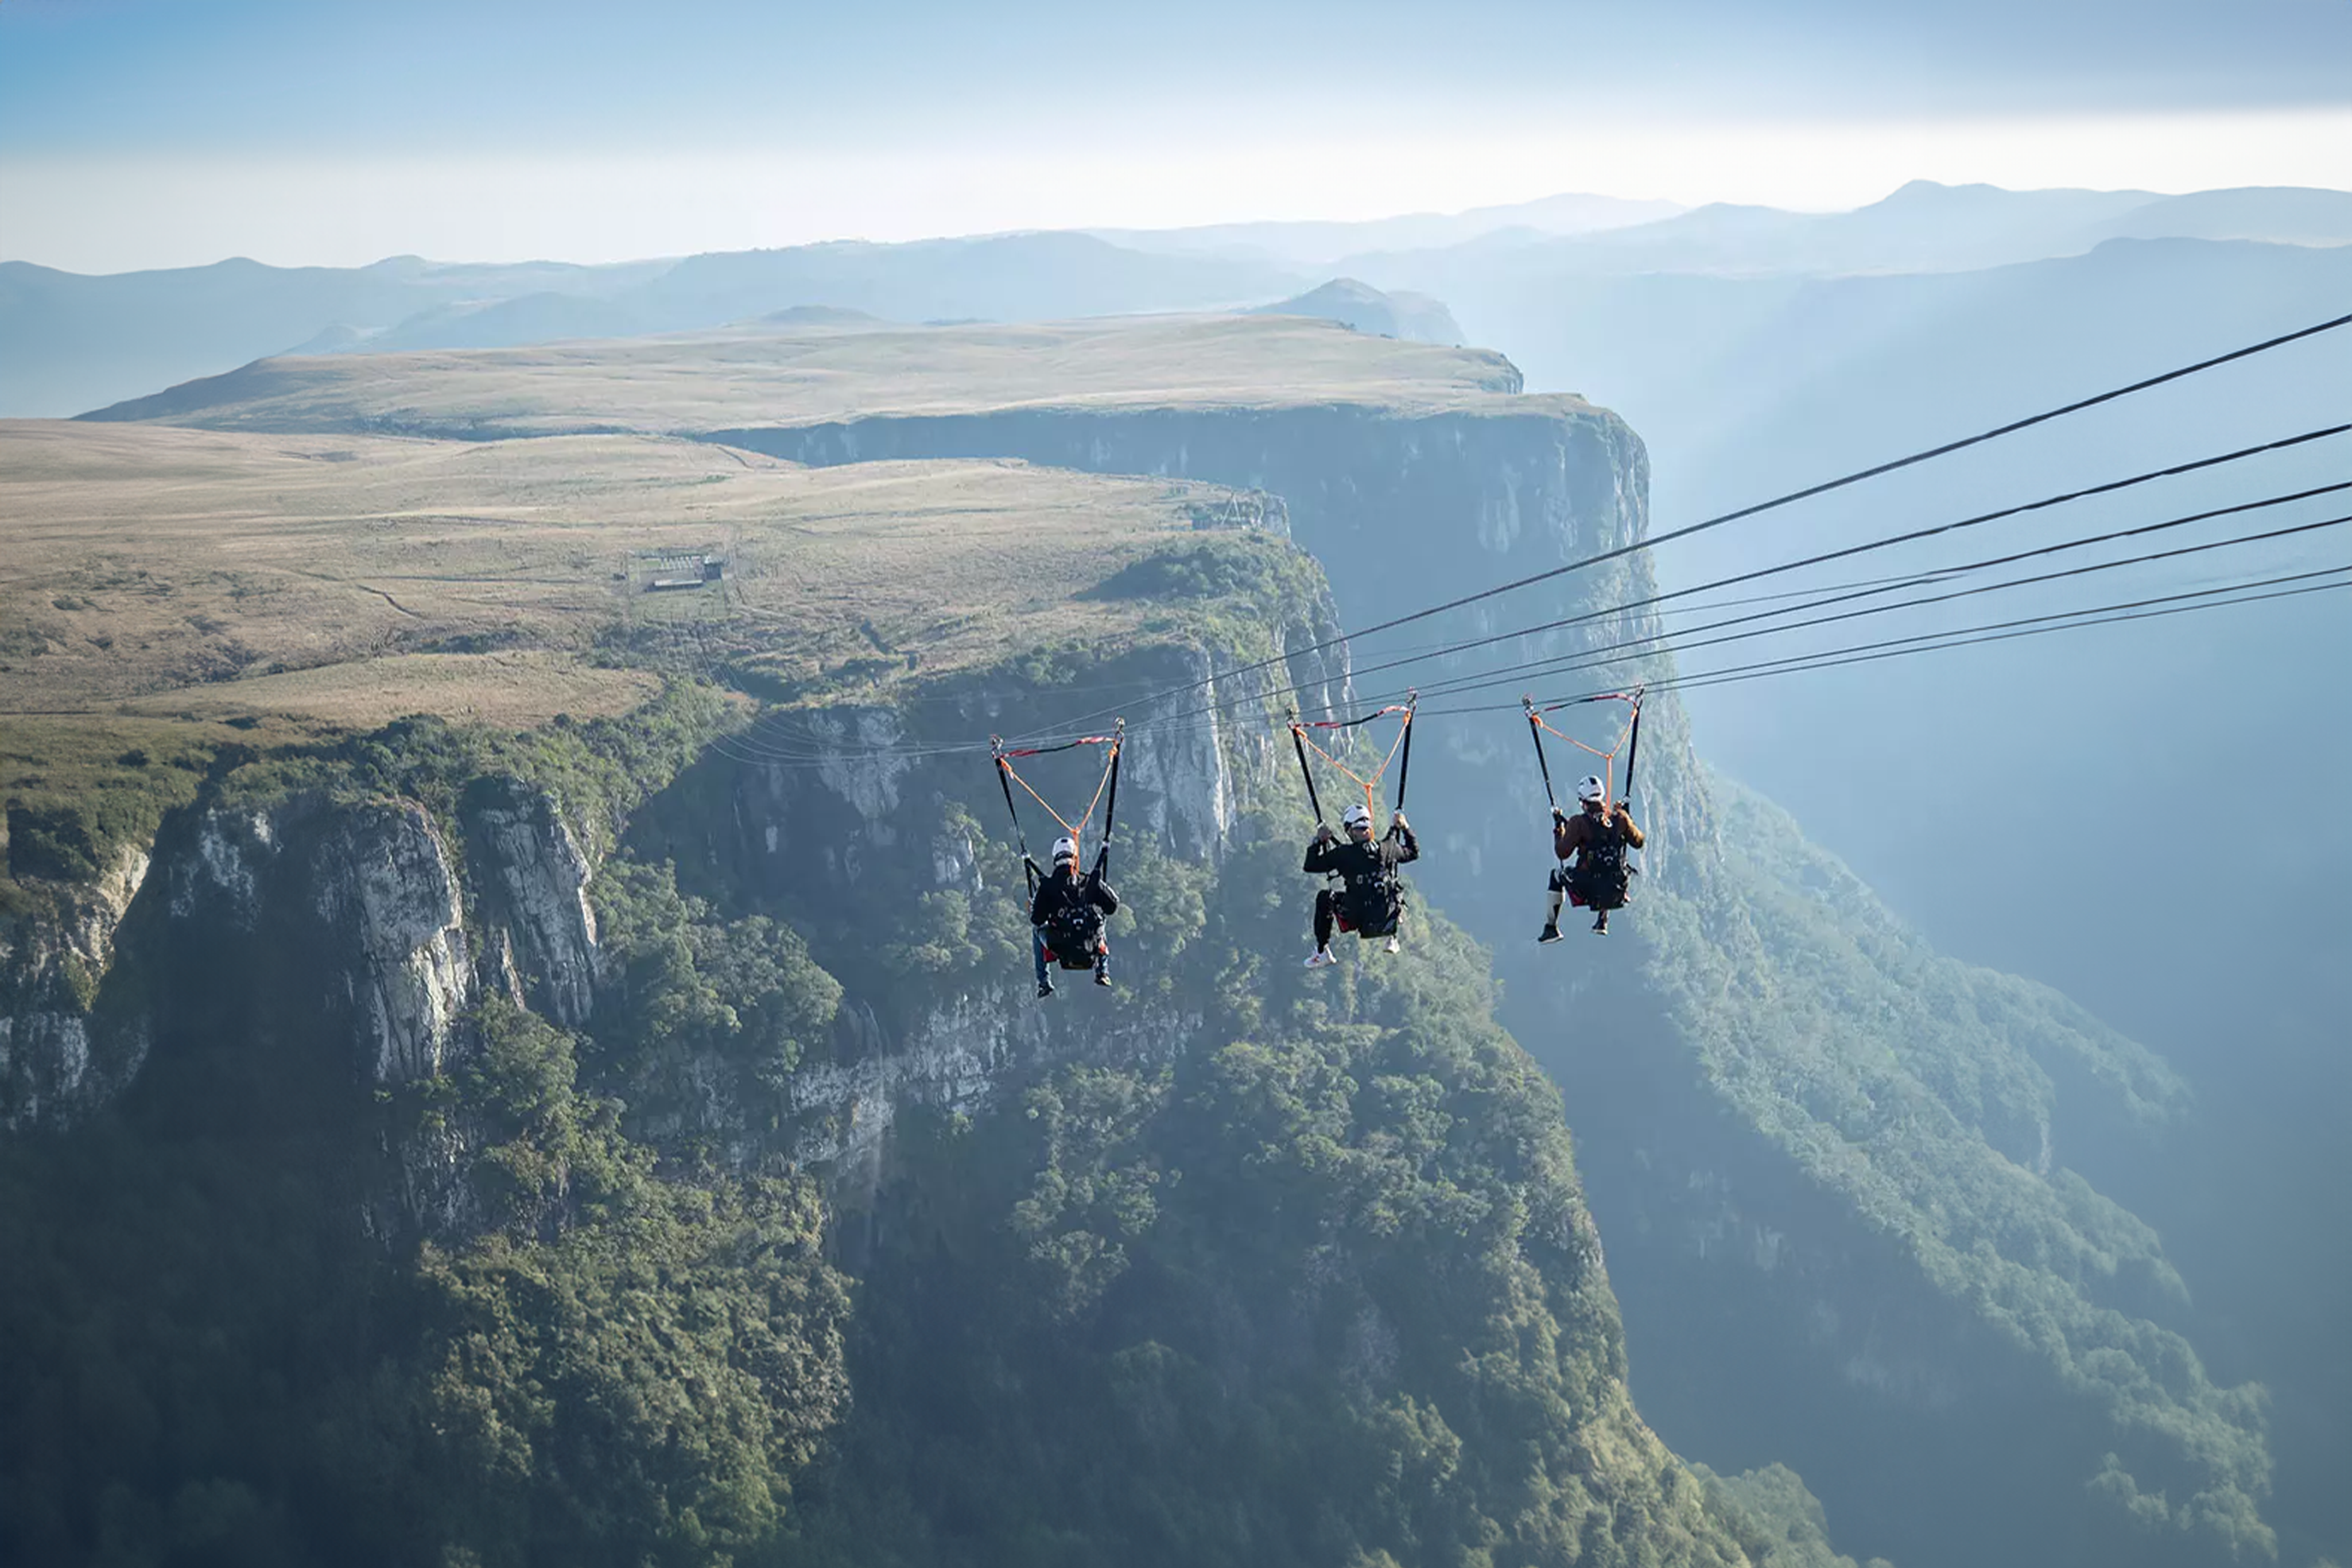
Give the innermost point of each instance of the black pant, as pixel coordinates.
(1327, 915)
(1039, 943)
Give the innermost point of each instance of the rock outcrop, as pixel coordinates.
(54, 957)
(358, 923)
(532, 876)
(381, 878)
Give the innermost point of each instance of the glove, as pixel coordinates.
(1399, 819)
(1558, 814)
(1322, 833)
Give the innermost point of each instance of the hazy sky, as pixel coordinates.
(149, 132)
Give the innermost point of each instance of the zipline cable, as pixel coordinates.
(1890, 541)
(2073, 624)
(1598, 657)
(1757, 508)
(830, 753)
(1932, 642)
(1965, 636)
(1511, 672)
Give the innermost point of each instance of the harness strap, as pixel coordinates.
(1006, 777)
(1399, 747)
(1631, 736)
(1077, 830)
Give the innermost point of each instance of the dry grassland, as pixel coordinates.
(518, 689)
(770, 375)
(170, 598)
(344, 579)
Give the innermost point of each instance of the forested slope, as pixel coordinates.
(1973, 1287)
(611, 1145)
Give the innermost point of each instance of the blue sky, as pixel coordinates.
(164, 132)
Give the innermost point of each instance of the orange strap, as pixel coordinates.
(1077, 830)
(1608, 758)
(1369, 784)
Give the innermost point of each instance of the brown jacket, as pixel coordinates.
(1569, 834)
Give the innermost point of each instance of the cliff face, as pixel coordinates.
(1221, 1208)
(1141, 1270)
(52, 956)
(358, 923)
(1716, 1066)
(1400, 510)
(848, 838)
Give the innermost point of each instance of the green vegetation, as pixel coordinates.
(212, 1363)
(685, 995)
(1921, 1093)
(1779, 1523)
(1276, 1268)
(1326, 1292)
(80, 793)
(597, 771)
(634, 1378)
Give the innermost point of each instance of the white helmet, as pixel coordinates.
(1591, 789)
(1065, 848)
(1356, 817)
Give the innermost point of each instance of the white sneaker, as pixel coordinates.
(1322, 956)
(1394, 945)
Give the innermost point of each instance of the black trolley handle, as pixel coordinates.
(1404, 751)
(1110, 808)
(1633, 747)
(1005, 779)
(1535, 733)
(1298, 744)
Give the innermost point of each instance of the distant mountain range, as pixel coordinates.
(1318, 245)
(1922, 227)
(70, 342)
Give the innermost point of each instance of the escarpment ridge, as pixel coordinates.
(1867, 1173)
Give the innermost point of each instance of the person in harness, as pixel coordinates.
(1066, 916)
(1369, 900)
(1596, 838)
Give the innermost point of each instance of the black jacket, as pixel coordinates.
(1058, 891)
(1364, 865)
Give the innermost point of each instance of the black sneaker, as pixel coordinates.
(1102, 976)
(1551, 932)
(1601, 926)
(1044, 989)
